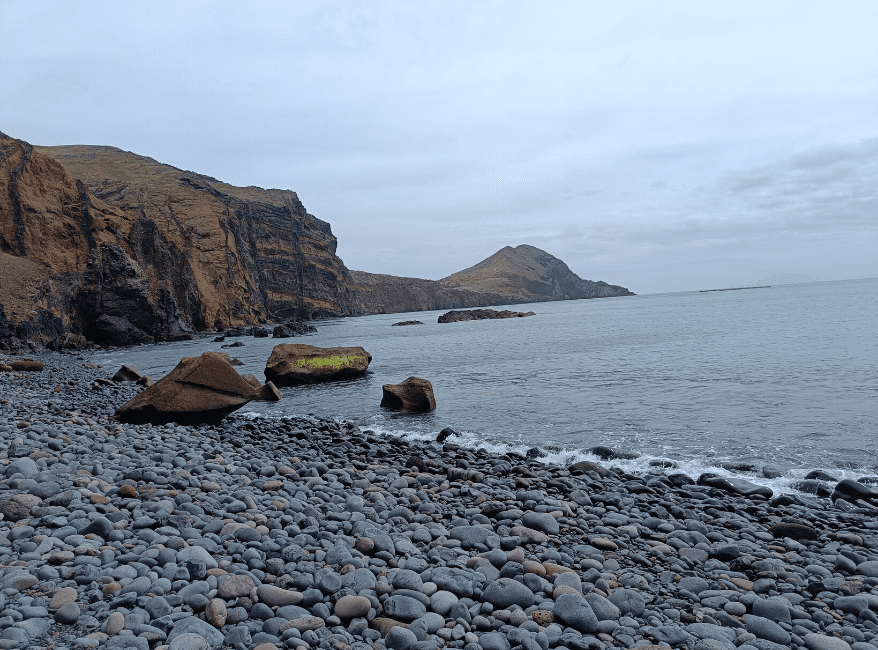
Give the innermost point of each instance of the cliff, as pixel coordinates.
(528, 274)
(375, 293)
(251, 254)
(92, 232)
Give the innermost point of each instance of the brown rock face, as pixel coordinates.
(246, 253)
(528, 274)
(291, 364)
(414, 395)
(481, 314)
(199, 389)
(79, 270)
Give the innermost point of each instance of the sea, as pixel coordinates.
(783, 377)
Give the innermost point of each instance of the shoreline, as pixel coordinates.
(333, 536)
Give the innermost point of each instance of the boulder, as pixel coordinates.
(291, 364)
(251, 379)
(267, 393)
(201, 389)
(446, 433)
(28, 365)
(126, 373)
(407, 322)
(115, 330)
(414, 395)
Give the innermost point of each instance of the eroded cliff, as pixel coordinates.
(99, 232)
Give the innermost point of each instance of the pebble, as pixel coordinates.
(311, 532)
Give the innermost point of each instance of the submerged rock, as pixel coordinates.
(613, 453)
(481, 314)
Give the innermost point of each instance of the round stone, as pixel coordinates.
(815, 641)
(189, 641)
(68, 613)
(115, 623)
(127, 492)
(62, 597)
(404, 608)
(352, 606)
(506, 592)
(399, 638)
(277, 597)
(215, 612)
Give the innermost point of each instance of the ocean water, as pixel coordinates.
(785, 376)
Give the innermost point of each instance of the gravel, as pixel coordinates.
(309, 532)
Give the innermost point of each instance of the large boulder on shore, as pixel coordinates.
(201, 389)
(291, 364)
(414, 395)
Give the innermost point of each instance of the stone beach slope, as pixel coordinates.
(308, 533)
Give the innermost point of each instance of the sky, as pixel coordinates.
(663, 146)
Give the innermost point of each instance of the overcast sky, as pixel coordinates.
(663, 146)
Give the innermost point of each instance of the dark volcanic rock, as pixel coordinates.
(407, 322)
(851, 491)
(199, 389)
(793, 531)
(115, 330)
(481, 314)
(291, 364)
(735, 485)
(292, 328)
(613, 453)
(414, 395)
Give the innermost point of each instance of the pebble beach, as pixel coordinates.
(309, 532)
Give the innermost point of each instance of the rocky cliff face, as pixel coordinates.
(231, 255)
(374, 293)
(528, 274)
(156, 251)
(54, 234)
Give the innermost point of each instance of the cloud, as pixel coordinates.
(653, 141)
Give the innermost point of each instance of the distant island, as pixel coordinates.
(104, 245)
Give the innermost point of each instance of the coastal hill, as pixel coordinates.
(528, 274)
(108, 245)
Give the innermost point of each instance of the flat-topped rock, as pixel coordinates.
(455, 316)
(291, 364)
(201, 389)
